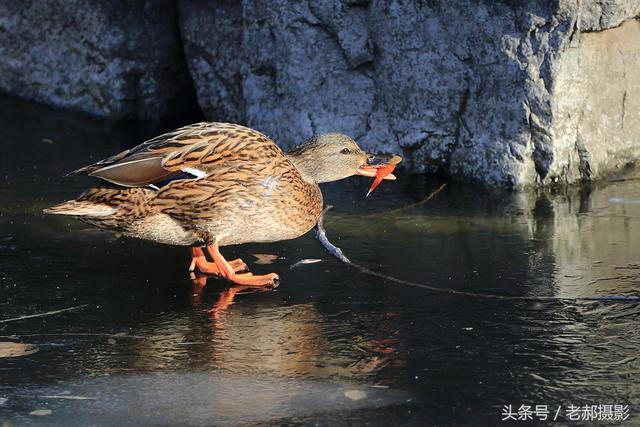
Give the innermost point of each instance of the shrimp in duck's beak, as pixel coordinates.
(379, 166)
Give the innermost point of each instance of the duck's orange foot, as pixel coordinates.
(207, 267)
(248, 279)
(228, 271)
(199, 261)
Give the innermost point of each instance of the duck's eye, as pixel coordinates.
(345, 151)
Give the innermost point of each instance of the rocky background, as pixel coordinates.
(507, 92)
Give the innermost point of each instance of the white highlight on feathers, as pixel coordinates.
(195, 172)
(270, 183)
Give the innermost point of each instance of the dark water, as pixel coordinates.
(330, 345)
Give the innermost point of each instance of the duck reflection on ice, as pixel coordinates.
(291, 340)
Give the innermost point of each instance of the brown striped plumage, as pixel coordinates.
(241, 187)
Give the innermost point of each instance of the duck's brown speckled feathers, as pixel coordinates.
(244, 189)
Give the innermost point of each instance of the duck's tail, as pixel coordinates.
(81, 208)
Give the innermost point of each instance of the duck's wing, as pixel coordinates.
(194, 150)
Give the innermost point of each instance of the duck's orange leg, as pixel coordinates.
(199, 261)
(237, 264)
(247, 279)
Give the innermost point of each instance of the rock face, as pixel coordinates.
(503, 92)
(115, 59)
(596, 104)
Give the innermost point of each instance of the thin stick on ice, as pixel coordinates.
(48, 313)
(322, 236)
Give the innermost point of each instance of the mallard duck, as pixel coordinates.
(216, 184)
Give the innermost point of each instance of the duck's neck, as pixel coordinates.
(306, 166)
(311, 176)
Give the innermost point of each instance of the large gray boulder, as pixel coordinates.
(504, 92)
(116, 59)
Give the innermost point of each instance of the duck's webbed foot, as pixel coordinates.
(227, 271)
(249, 279)
(199, 261)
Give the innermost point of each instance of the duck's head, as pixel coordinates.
(334, 156)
